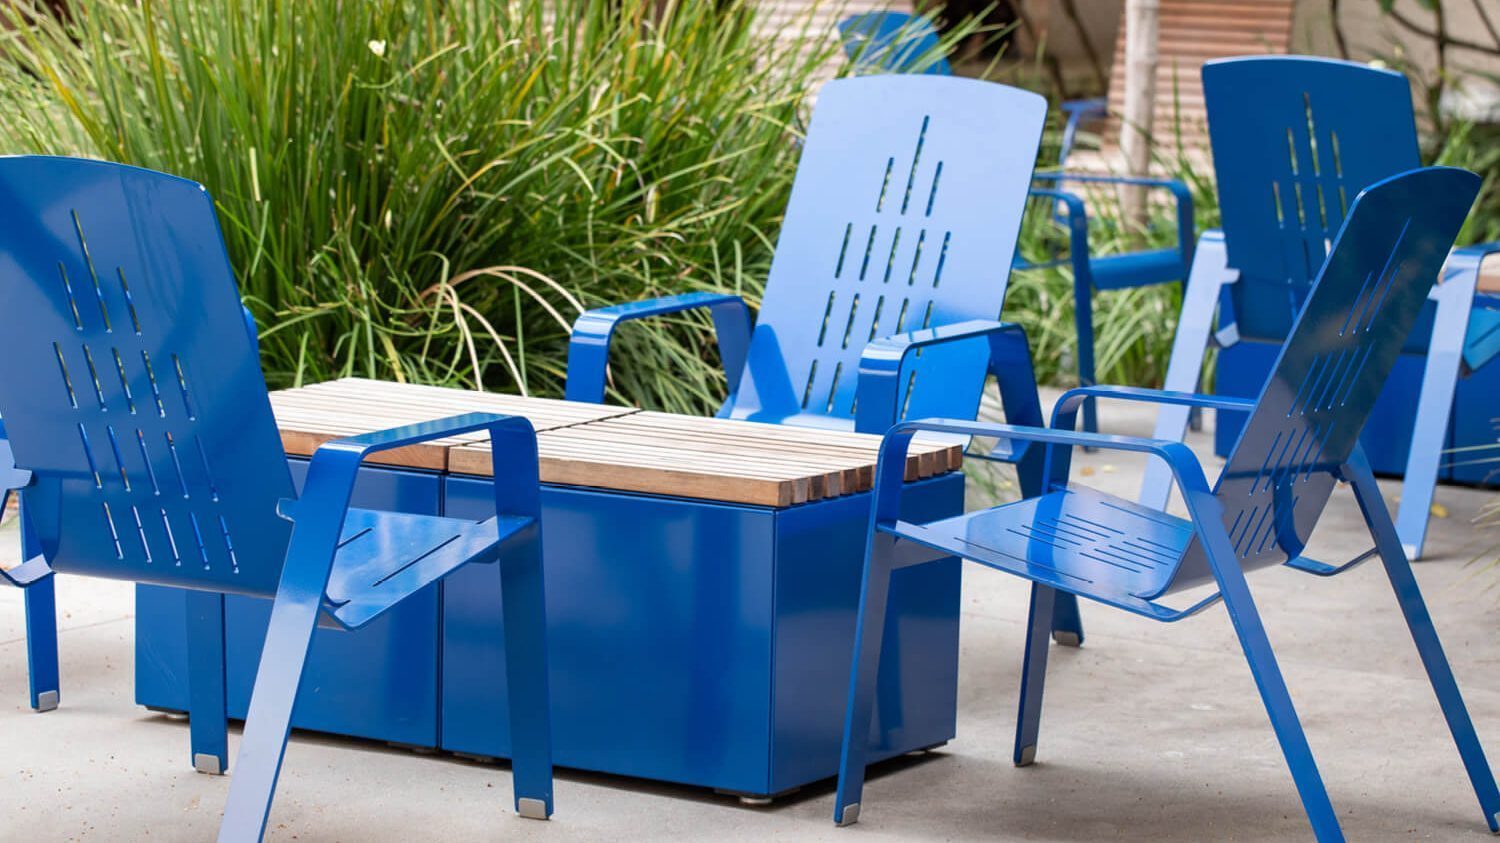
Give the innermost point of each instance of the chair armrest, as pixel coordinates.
(1186, 226)
(1077, 111)
(1065, 412)
(319, 513)
(890, 469)
(878, 393)
(588, 349)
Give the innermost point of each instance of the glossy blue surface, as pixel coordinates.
(1293, 138)
(377, 682)
(878, 42)
(1301, 439)
(903, 216)
(138, 418)
(724, 667)
(150, 437)
(721, 674)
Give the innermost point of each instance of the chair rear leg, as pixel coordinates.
(41, 643)
(864, 674)
(1083, 318)
(208, 713)
(1044, 601)
(1067, 621)
(294, 616)
(1434, 406)
(524, 603)
(1273, 692)
(1419, 621)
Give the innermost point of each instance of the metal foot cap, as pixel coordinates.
(1067, 639)
(210, 764)
(532, 809)
(755, 801)
(46, 701)
(1027, 756)
(850, 816)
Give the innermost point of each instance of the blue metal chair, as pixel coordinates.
(1301, 440)
(145, 449)
(1294, 138)
(40, 599)
(895, 42)
(889, 273)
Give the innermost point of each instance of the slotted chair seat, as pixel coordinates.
(1078, 540)
(385, 557)
(1137, 269)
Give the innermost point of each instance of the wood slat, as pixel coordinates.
(607, 447)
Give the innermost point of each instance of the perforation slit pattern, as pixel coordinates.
(896, 263)
(153, 486)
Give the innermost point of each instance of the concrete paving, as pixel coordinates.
(1151, 731)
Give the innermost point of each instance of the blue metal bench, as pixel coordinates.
(889, 273)
(40, 598)
(145, 449)
(1294, 138)
(895, 42)
(1301, 440)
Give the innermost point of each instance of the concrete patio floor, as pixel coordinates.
(1151, 732)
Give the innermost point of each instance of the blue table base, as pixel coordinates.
(693, 642)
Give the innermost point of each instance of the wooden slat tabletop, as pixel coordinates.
(607, 447)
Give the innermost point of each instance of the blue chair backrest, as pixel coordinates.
(1294, 139)
(892, 42)
(1334, 363)
(132, 389)
(904, 215)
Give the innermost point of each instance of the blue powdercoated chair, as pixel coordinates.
(895, 42)
(40, 600)
(145, 449)
(1302, 439)
(1294, 138)
(889, 272)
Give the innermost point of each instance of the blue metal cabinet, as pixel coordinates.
(379, 682)
(691, 641)
(704, 643)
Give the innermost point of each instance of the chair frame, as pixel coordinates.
(1130, 557)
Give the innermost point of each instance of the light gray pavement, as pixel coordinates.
(1151, 732)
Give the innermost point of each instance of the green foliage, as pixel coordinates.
(432, 191)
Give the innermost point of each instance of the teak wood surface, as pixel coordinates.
(607, 447)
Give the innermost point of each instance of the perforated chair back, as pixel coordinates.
(892, 42)
(1294, 139)
(904, 215)
(1333, 365)
(132, 388)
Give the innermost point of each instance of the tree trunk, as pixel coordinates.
(1140, 101)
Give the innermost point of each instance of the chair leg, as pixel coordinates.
(1455, 300)
(864, 675)
(41, 643)
(1067, 621)
(1424, 635)
(208, 713)
(1044, 600)
(269, 721)
(1083, 318)
(1200, 301)
(1272, 686)
(523, 601)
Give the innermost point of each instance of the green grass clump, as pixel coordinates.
(433, 191)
